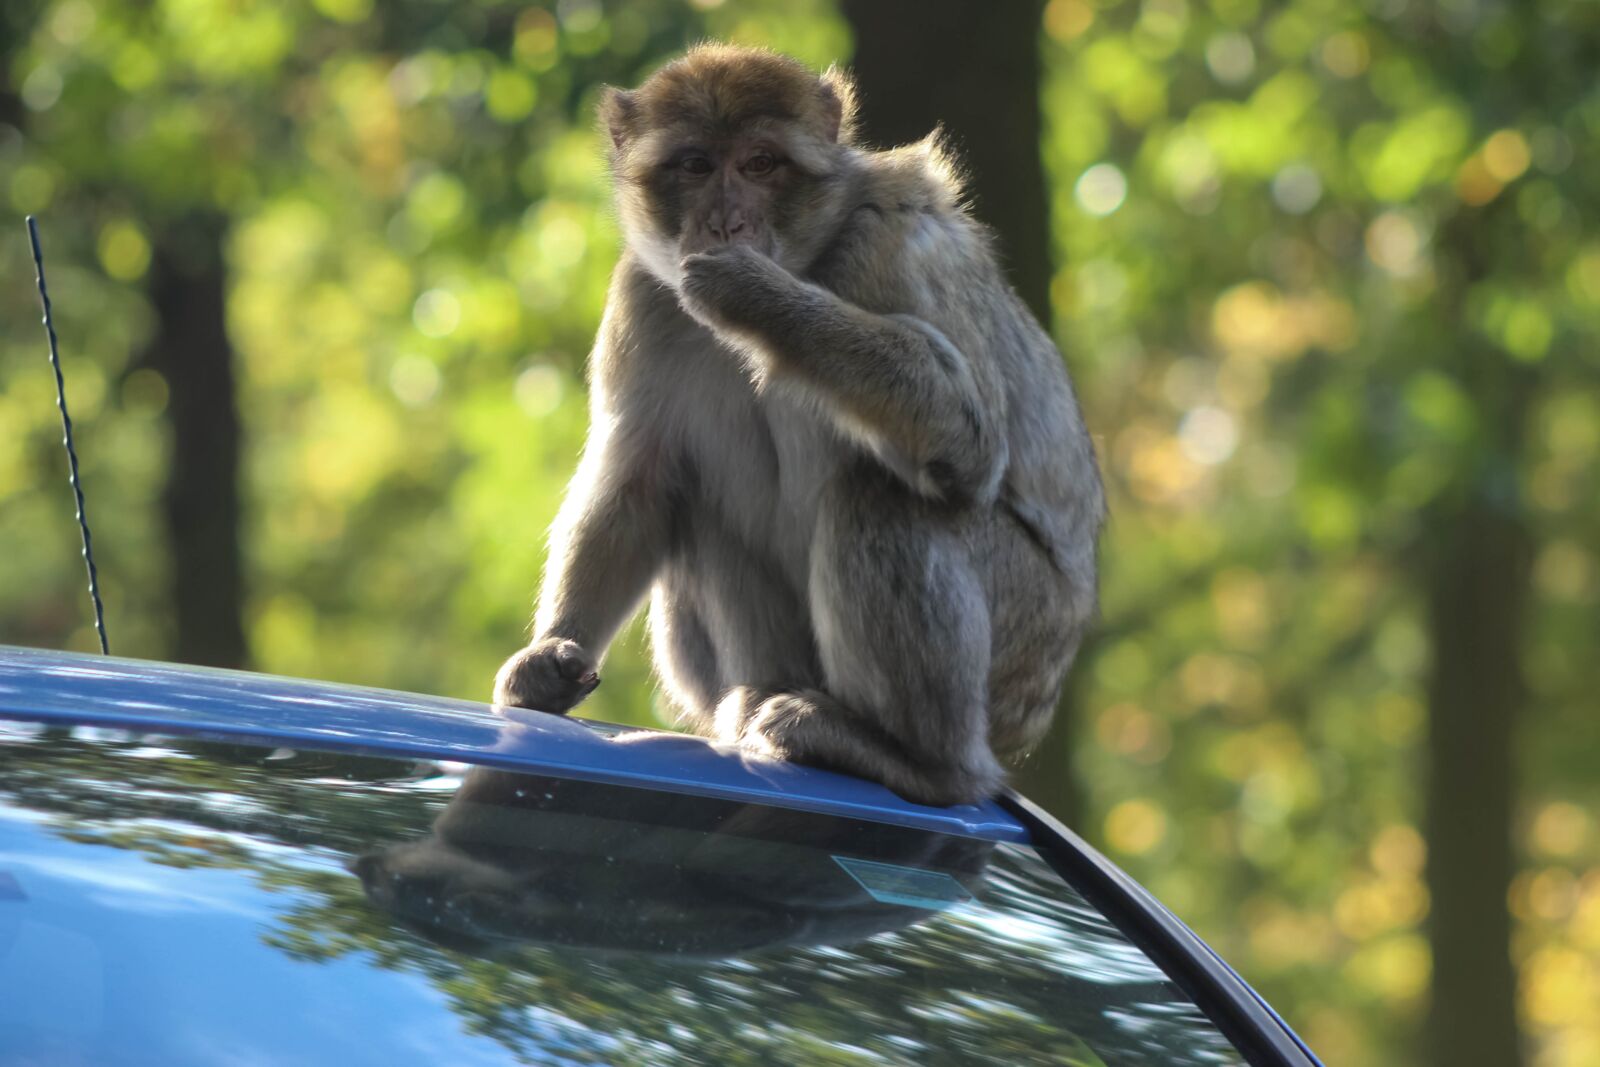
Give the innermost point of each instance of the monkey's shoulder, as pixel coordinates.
(642, 311)
(635, 292)
(907, 232)
(922, 176)
(644, 340)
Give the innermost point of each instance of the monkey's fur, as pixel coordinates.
(828, 434)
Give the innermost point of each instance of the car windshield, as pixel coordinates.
(184, 901)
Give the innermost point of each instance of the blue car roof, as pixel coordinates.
(163, 698)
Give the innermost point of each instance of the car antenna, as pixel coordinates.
(66, 428)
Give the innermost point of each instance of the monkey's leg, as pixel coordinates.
(1038, 615)
(809, 726)
(724, 616)
(902, 629)
(685, 655)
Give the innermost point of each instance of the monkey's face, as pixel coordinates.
(727, 146)
(712, 192)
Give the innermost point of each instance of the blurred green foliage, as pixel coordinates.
(1306, 251)
(1302, 250)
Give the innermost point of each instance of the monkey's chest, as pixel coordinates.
(778, 456)
(806, 456)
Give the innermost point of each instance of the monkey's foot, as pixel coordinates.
(551, 675)
(811, 727)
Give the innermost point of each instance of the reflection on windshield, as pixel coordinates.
(522, 858)
(552, 920)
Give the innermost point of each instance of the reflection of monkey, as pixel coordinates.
(522, 858)
(830, 435)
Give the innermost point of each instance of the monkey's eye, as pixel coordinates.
(760, 164)
(697, 165)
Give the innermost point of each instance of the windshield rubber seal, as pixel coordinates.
(1244, 1018)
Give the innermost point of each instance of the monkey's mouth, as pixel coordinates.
(701, 239)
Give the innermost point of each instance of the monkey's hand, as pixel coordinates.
(738, 291)
(550, 675)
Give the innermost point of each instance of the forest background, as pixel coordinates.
(1326, 273)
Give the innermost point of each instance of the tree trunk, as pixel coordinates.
(1477, 595)
(1475, 576)
(190, 348)
(974, 69)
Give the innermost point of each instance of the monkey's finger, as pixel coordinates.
(538, 679)
(572, 662)
(554, 696)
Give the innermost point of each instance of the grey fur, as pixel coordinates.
(851, 467)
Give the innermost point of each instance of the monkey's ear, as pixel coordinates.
(839, 104)
(618, 110)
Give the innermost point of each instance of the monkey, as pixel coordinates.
(828, 440)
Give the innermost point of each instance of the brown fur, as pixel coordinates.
(829, 437)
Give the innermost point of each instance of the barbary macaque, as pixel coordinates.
(828, 437)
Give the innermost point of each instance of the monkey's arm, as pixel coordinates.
(610, 536)
(605, 546)
(895, 382)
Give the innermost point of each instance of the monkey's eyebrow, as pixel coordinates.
(683, 152)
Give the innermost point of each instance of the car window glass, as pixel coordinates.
(184, 901)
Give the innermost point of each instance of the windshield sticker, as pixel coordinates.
(909, 887)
